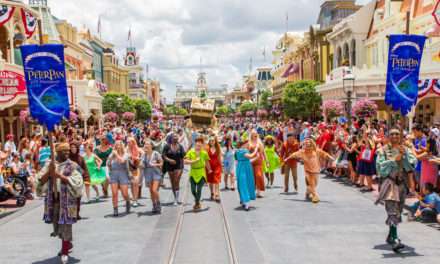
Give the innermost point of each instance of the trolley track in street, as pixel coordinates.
(177, 235)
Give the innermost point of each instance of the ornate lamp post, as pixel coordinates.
(348, 87)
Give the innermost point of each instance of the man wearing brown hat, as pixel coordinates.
(394, 162)
(61, 183)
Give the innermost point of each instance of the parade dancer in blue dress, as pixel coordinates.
(245, 175)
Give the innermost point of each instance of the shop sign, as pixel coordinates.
(11, 85)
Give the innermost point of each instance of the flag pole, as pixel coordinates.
(402, 118)
(50, 133)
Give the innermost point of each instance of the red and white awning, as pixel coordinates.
(427, 86)
(6, 12)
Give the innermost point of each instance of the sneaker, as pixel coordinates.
(135, 204)
(64, 259)
(397, 246)
(315, 199)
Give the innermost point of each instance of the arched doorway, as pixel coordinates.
(346, 60)
(353, 52)
(427, 110)
(339, 57)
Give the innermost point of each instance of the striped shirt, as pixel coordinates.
(43, 155)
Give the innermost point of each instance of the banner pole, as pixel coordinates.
(402, 118)
(49, 133)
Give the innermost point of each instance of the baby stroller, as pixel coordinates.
(18, 186)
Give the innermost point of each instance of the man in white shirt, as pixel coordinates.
(10, 146)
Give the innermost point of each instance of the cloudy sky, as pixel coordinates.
(172, 35)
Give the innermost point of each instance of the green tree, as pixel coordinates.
(143, 109)
(247, 106)
(170, 110)
(300, 99)
(222, 110)
(182, 112)
(118, 103)
(264, 102)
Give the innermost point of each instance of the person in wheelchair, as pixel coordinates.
(5, 187)
(23, 171)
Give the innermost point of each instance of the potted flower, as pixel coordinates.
(24, 116)
(262, 113)
(111, 117)
(73, 117)
(128, 116)
(332, 109)
(364, 108)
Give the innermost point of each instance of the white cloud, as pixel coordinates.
(172, 35)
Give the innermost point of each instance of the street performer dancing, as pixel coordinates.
(394, 162)
(61, 183)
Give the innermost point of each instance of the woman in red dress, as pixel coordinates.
(258, 162)
(215, 161)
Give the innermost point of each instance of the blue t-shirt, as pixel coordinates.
(433, 199)
(419, 143)
(2, 183)
(304, 134)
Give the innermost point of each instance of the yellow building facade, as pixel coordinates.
(283, 57)
(115, 75)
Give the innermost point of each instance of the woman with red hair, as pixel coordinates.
(215, 162)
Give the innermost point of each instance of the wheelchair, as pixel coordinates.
(19, 186)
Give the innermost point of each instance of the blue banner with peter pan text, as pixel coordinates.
(404, 59)
(45, 76)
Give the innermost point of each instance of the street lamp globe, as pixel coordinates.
(348, 83)
(348, 87)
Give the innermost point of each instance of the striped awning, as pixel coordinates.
(292, 69)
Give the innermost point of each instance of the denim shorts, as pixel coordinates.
(119, 177)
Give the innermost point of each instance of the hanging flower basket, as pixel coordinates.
(111, 117)
(73, 117)
(262, 113)
(26, 117)
(364, 108)
(332, 109)
(128, 116)
(250, 113)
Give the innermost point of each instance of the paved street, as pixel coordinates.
(344, 228)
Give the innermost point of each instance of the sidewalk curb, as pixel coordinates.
(20, 212)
